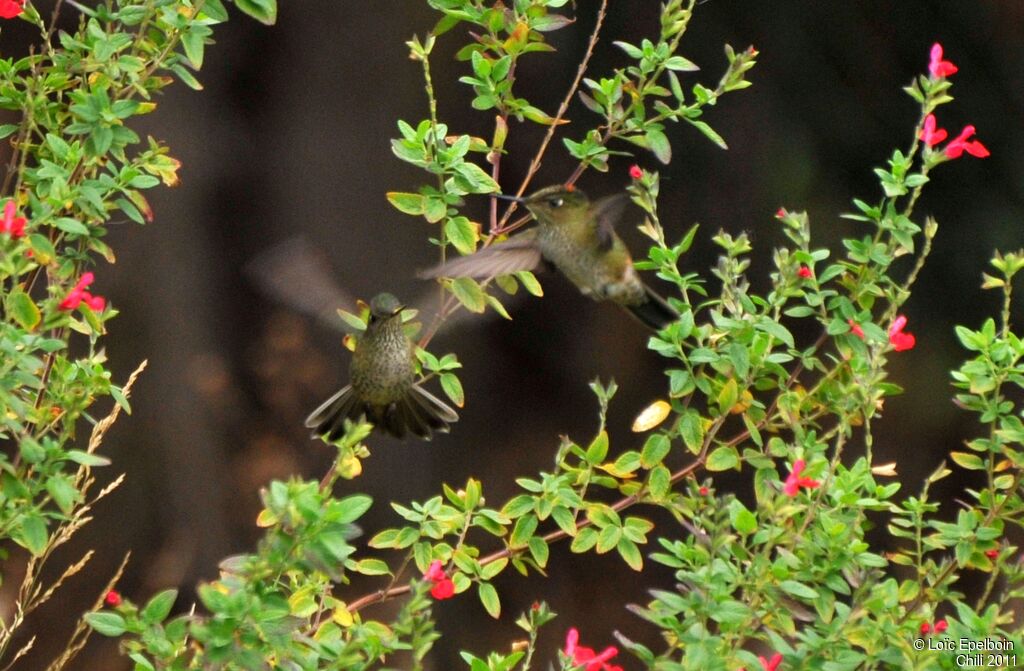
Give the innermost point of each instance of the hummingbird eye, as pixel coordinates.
(556, 202)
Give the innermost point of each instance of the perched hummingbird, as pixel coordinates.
(383, 387)
(578, 238)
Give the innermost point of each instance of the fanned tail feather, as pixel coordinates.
(418, 412)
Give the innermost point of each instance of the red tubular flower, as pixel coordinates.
(112, 599)
(937, 67)
(582, 655)
(931, 135)
(10, 224)
(805, 272)
(443, 587)
(899, 340)
(771, 664)
(435, 572)
(941, 626)
(79, 295)
(926, 628)
(794, 481)
(11, 8)
(958, 145)
(855, 329)
(635, 172)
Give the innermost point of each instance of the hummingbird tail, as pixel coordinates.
(653, 311)
(419, 413)
(328, 420)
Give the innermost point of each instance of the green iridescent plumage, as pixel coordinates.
(383, 385)
(576, 236)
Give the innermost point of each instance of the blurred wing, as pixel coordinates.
(607, 212)
(518, 253)
(299, 276)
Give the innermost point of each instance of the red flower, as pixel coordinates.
(794, 482)
(11, 8)
(443, 587)
(937, 67)
(855, 329)
(79, 295)
(10, 224)
(581, 655)
(931, 135)
(112, 599)
(635, 172)
(925, 628)
(941, 626)
(781, 213)
(770, 664)
(960, 144)
(805, 272)
(991, 554)
(703, 491)
(899, 340)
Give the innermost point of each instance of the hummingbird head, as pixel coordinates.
(557, 204)
(384, 305)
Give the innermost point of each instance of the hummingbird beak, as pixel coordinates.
(514, 199)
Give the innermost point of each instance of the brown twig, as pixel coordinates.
(559, 115)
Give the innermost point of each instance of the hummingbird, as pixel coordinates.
(578, 238)
(383, 386)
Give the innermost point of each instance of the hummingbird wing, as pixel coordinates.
(297, 274)
(606, 214)
(520, 252)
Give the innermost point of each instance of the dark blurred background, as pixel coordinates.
(291, 137)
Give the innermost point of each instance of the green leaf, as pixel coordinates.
(453, 389)
(598, 449)
(469, 293)
(708, 132)
(723, 459)
(63, 492)
(87, 459)
(409, 203)
(523, 531)
(351, 508)
(658, 143)
(798, 589)
(539, 550)
(372, 567)
(24, 310)
(105, 623)
(691, 427)
(530, 283)
(462, 233)
(352, 321)
(489, 598)
(264, 11)
(654, 451)
(72, 226)
(159, 607)
(631, 553)
(33, 533)
(193, 42)
(742, 520)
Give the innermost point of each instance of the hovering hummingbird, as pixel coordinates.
(577, 237)
(383, 387)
